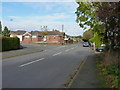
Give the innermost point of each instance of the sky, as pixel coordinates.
(30, 16)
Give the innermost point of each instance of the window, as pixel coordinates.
(54, 37)
(34, 36)
(27, 37)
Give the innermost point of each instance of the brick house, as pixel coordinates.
(54, 36)
(18, 34)
(32, 37)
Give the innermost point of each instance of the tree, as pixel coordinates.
(109, 14)
(103, 18)
(0, 28)
(88, 35)
(6, 32)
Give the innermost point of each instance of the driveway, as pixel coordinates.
(48, 69)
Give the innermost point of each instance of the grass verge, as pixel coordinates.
(109, 73)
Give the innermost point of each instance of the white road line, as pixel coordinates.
(72, 48)
(58, 47)
(31, 62)
(57, 54)
(67, 50)
(76, 46)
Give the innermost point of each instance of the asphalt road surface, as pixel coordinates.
(48, 69)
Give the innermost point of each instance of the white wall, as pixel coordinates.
(20, 37)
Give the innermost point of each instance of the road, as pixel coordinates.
(27, 49)
(48, 69)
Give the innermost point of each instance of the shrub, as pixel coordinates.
(10, 43)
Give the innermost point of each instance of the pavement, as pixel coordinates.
(87, 76)
(50, 68)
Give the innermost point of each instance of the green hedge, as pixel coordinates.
(10, 43)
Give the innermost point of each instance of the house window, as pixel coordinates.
(54, 37)
(27, 37)
(34, 36)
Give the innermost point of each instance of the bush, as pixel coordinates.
(108, 64)
(10, 43)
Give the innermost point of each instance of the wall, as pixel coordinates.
(27, 40)
(20, 37)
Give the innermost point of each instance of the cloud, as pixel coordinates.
(53, 15)
(34, 23)
(67, 7)
(42, 18)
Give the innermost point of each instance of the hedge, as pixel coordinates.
(10, 43)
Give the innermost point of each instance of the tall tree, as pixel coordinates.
(102, 17)
(109, 14)
(6, 32)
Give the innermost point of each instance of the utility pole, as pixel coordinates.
(62, 28)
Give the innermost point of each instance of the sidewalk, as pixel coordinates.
(87, 76)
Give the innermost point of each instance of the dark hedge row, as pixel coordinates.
(10, 43)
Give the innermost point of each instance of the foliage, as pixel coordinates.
(45, 33)
(0, 28)
(86, 14)
(10, 43)
(109, 14)
(103, 18)
(88, 35)
(79, 36)
(6, 32)
(109, 73)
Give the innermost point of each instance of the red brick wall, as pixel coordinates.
(27, 40)
(56, 39)
(37, 39)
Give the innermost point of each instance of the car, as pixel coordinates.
(100, 49)
(85, 44)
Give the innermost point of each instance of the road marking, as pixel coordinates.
(57, 54)
(31, 62)
(67, 50)
(45, 50)
(76, 46)
(60, 47)
(72, 48)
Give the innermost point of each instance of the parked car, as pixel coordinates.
(85, 44)
(100, 49)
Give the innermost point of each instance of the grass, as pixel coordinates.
(108, 72)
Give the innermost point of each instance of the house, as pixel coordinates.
(55, 37)
(32, 37)
(18, 34)
(40, 37)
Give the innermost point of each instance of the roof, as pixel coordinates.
(36, 33)
(39, 33)
(18, 32)
(55, 32)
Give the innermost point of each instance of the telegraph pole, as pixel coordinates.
(62, 28)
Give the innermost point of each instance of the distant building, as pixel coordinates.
(18, 34)
(41, 37)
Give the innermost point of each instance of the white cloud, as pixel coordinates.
(34, 23)
(42, 18)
